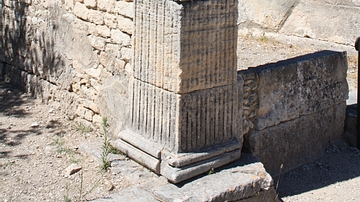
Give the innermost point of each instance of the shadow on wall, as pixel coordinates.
(27, 50)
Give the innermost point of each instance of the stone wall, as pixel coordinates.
(334, 21)
(80, 51)
(75, 53)
(294, 109)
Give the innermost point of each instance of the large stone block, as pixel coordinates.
(183, 52)
(186, 122)
(269, 14)
(299, 86)
(183, 135)
(334, 21)
(298, 141)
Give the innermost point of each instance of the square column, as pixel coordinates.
(185, 97)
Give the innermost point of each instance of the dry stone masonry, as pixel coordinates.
(185, 95)
(167, 70)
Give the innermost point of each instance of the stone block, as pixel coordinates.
(269, 14)
(233, 184)
(295, 142)
(81, 11)
(304, 85)
(96, 17)
(110, 20)
(125, 9)
(97, 42)
(103, 31)
(193, 132)
(193, 58)
(126, 54)
(90, 3)
(106, 5)
(126, 25)
(186, 122)
(340, 18)
(118, 37)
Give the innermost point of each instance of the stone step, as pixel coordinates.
(245, 180)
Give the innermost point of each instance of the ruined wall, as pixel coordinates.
(294, 109)
(73, 53)
(335, 21)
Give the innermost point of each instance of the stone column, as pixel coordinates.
(185, 97)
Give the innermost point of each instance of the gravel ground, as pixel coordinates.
(37, 145)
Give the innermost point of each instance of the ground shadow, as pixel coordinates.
(10, 98)
(340, 162)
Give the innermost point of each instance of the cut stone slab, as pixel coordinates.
(92, 149)
(241, 182)
(244, 180)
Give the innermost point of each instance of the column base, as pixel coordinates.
(176, 167)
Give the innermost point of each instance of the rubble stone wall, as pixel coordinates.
(75, 53)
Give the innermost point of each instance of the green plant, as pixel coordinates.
(59, 143)
(211, 171)
(80, 188)
(66, 197)
(83, 128)
(263, 38)
(106, 147)
(83, 195)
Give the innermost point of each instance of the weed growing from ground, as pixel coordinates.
(59, 144)
(106, 147)
(263, 38)
(83, 128)
(211, 171)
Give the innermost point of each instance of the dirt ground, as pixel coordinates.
(37, 145)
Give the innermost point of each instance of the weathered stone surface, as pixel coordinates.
(110, 20)
(71, 169)
(227, 185)
(304, 85)
(121, 38)
(126, 25)
(92, 149)
(106, 5)
(125, 9)
(298, 141)
(308, 17)
(186, 122)
(116, 108)
(81, 11)
(90, 3)
(267, 14)
(96, 17)
(103, 31)
(192, 59)
(332, 21)
(201, 126)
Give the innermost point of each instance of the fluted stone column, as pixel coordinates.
(185, 97)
